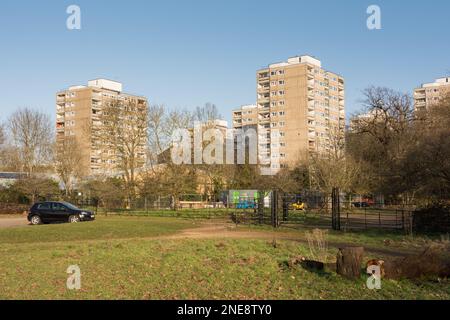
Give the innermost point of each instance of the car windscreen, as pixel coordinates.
(70, 206)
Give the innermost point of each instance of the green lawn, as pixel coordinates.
(120, 260)
(102, 228)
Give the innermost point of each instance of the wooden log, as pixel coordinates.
(348, 261)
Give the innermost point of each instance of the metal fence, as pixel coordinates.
(307, 208)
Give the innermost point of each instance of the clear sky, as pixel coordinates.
(186, 53)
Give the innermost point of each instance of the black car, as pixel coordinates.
(47, 212)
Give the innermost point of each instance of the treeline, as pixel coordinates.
(389, 149)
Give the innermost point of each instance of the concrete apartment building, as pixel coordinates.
(431, 93)
(300, 108)
(79, 117)
(245, 116)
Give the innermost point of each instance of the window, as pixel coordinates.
(280, 71)
(44, 206)
(281, 113)
(281, 82)
(281, 103)
(274, 93)
(281, 92)
(58, 207)
(282, 123)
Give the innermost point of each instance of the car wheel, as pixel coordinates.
(35, 220)
(74, 219)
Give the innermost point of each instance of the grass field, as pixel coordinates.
(142, 258)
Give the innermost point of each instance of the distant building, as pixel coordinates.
(365, 118)
(431, 93)
(9, 178)
(300, 106)
(245, 116)
(79, 108)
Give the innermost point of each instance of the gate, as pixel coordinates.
(316, 210)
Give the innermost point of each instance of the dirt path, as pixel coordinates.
(229, 231)
(16, 221)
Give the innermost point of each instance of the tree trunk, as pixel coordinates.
(348, 261)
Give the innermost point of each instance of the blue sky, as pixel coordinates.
(186, 53)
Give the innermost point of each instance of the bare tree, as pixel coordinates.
(2, 146)
(164, 177)
(2, 135)
(428, 160)
(335, 169)
(380, 141)
(207, 113)
(68, 163)
(123, 132)
(32, 135)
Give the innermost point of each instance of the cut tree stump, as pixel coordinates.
(348, 261)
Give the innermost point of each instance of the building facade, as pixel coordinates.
(245, 116)
(300, 109)
(79, 117)
(431, 93)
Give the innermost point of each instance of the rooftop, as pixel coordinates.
(438, 82)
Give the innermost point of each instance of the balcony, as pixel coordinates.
(264, 119)
(310, 84)
(263, 76)
(263, 89)
(311, 115)
(419, 96)
(264, 111)
(263, 99)
(96, 96)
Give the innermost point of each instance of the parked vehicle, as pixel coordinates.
(362, 204)
(47, 212)
(299, 205)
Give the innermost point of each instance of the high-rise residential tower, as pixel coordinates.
(431, 93)
(80, 117)
(300, 110)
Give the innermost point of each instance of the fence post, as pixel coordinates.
(335, 209)
(403, 219)
(261, 207)
(365, 218)
(274, 209)
(379, 219)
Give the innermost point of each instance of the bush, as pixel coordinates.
(435, 218)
